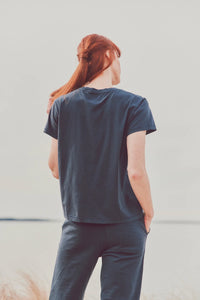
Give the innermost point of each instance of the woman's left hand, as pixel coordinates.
(147, 222)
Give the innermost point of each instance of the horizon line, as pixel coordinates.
(180, 221)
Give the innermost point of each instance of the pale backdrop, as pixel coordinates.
(160, 44)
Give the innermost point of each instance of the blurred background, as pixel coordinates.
(160, 45)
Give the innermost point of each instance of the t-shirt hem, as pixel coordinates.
(148, 130)
(50, 133)
(100, 221)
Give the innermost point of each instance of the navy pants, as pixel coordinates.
(121, 247)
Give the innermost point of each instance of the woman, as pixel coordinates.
(98, 154)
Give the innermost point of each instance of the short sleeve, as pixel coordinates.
(140, 118)
(51, 127)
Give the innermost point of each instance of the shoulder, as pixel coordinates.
(58, 100)
(69, 96)
(131, 98)
(55, 107)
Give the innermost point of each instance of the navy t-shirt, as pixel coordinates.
(91, 126)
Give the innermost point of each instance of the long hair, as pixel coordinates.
(91, 57)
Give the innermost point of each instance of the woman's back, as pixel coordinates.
(91, 126)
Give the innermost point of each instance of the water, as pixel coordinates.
(171, 257)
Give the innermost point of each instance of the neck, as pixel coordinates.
(102, 81)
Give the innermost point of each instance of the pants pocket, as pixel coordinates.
(147, 232)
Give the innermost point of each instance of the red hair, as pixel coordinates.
(91, 57)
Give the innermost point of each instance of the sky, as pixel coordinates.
(160, 45)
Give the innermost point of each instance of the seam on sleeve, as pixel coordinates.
(142, 101)
(137, 107)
